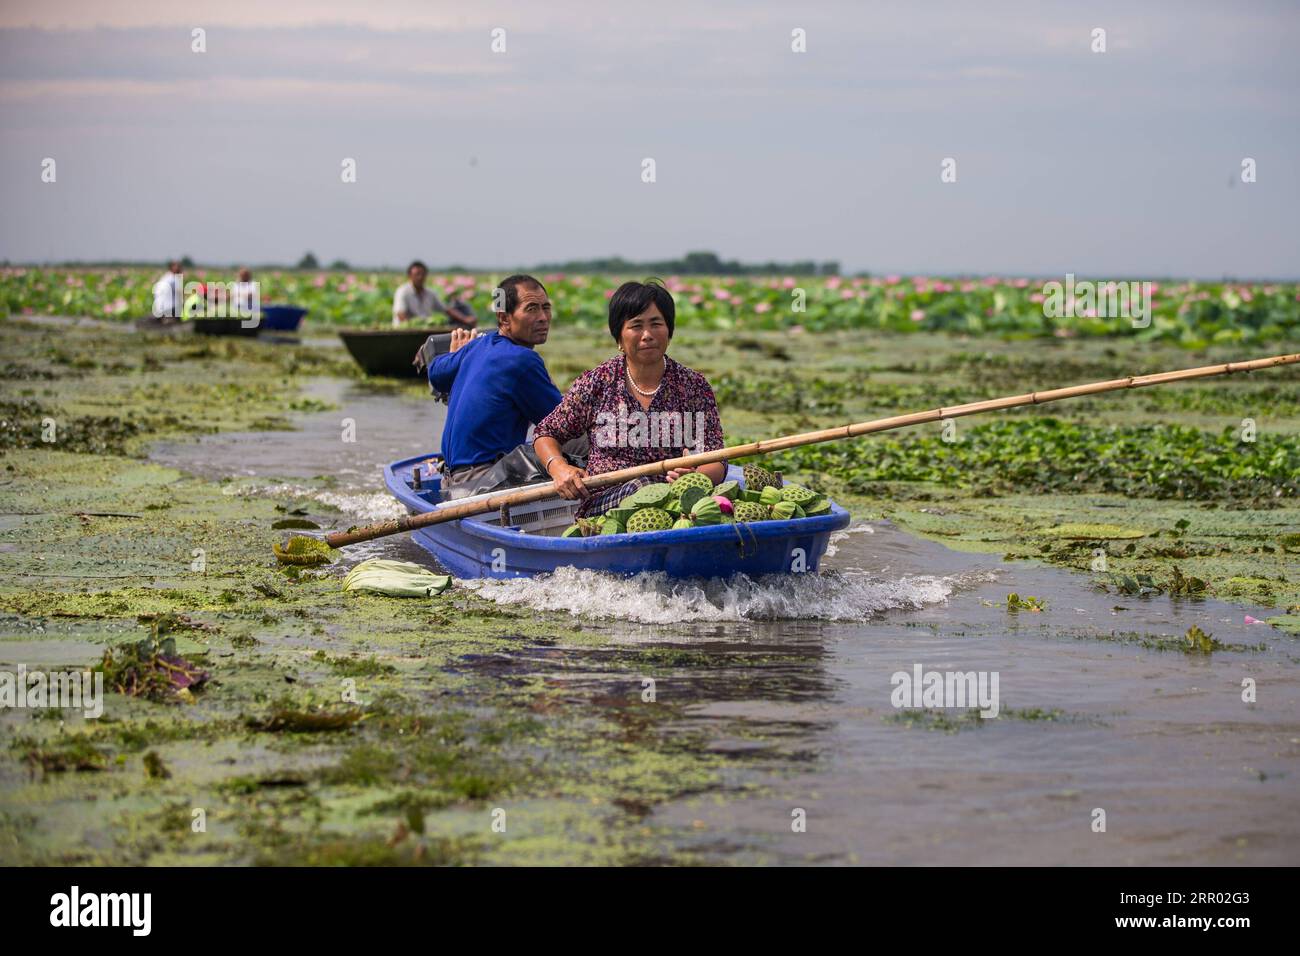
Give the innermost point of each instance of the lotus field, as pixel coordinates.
(1190, 314)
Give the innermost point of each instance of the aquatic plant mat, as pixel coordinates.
(590, 721)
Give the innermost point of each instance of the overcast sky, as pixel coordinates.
(1116, 164)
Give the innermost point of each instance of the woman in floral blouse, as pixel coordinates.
(637, 408)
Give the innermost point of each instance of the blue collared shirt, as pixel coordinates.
(498, 389)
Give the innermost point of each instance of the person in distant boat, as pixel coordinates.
(168, 292)
(245, 293)
(413, 301)
(205, 303)
(497, 386)
(459, 303)
(673, 409)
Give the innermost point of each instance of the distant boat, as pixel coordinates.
(389, 352)
(282, 318)
(223, 327)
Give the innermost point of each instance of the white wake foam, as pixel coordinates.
(839, 537)
(658, 599)
(369, 506)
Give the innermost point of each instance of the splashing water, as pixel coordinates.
(654, 598)
(840, 537)
(369, 506)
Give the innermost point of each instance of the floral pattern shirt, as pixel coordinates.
(682, 417)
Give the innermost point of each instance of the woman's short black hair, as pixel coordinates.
(633, 298)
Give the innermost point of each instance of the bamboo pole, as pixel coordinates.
(596, 482)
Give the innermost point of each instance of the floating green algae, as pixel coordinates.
(1092, 532)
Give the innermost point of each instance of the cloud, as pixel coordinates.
(1066, 157)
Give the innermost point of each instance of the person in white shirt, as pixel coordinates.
(167, 292)
(414, 301)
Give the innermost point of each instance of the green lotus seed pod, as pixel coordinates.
(690, 495)
(650, 519)
(750, 511)
(612, 526)
(681, 523)
(798, 494)
(692, 479)
(757, 478)
(770, 496)
(706, 511)
(820, 506)
(783, 510)
(650, 496)
(728, 489)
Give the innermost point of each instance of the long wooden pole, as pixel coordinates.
(541, 492)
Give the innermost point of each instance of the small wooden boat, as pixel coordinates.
(387, 352)
(224, 326)
(529, 545)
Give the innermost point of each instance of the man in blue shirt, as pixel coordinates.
(498, 385)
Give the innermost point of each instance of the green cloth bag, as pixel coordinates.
(395, 579)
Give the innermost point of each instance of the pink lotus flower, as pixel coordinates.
(787, 282)
(847, 294)
(725, 504)
(892, 280)
(721, 294)
(1254, 620)
(968, 287)
(763, 307)
(609, 293)
(834, 282)
(918, 315)
(1037, 297)
(1021, 283)
(697, 299)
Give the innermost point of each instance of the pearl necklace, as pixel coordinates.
(638, 388)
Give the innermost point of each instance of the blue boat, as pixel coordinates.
(481, 547)
(281, 318)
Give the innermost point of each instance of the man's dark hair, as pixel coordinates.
(510, 286)
(417, 264)
(633, 298)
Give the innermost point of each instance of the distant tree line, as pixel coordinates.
(695, 263)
